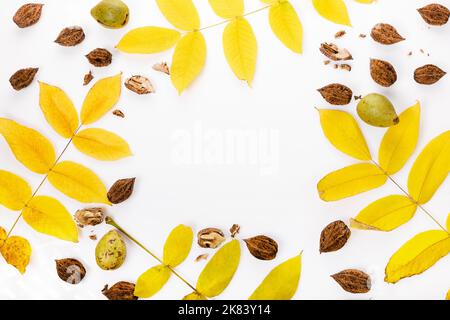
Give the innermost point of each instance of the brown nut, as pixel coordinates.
(334, 236)
(336, 94)
(120, 291)
(383, 72)
(28, 14)
(435, 14)
(262, 247)
(385, 34)
(428, 74)
(89, 216)
(210, 238)
(70, 270)
(353, 281)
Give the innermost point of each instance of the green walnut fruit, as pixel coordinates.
(111, 251)
(111, 13)
(376, 110)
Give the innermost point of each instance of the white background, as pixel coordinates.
(283, 205)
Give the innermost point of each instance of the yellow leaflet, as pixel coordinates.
(240, 48)
(78, 182)
(365, 1)
(148, 40)
(30, 147)
(219, 271)
(417, 255)
(14, 191)
(286, 25)
(448, 223)
(386, 214)
(188, 60)
(58, 110)
(400, 141)
(151, 281)
(448, 295)
(228, 9)
(281, 283)
(430, 169)
(333, 10)
(178, 245)
(182, 14)
(101, 144)
(47, 215)
(101, 98)
(15, 250)
(342, 130)
(350, 181)
(194, 296)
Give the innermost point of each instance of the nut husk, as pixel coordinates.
(428, 74)
(383, 72)
(28, 15)
(262, 247)
(99, 57)
(333, 52)
(120, 291)
(121, 190)
(210, 238)
(23, 78)
(334, 236)
(336, 94)
(435, 14)
(111, 251)
(385, 34)
(70, 36)
(70, 270)
(139, 85)
(89, 216)
(353, 281)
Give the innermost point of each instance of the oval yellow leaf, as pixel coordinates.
(151, 281)
(78, 182)
(281, 283)
(430, 169)
(101, 144)
(101, 98)
(47, 215)
(188, 60)
(350, 181)
(240, 48)
(342, 130)
(30, 147)
(194, 296)
(417, 255)
(14, 191)
(399, 142)
(182, 14)
(219, 271)
(58, 110)
(333, 10)
(286, 25)
(227, 9)
(178, 245)
(15, 250)
(148, 40)
(386, 214)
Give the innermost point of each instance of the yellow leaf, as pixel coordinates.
(148, 40)
(14, 191)
(101, 144)
(350, 181)
(430, 169)
(417, 255)
(333, 10)
(286, 25)
(194, 296)
(30, 147)
(400, 141)
(47, 215)
(151, 281)
(188, 60)
(448, 295)
(365, 1)
(241, 49)
(342, 130)
(448, 222)
(58, 109)
(178, 245)
(78, 182)
(15, 250)
(281, 283)
(219, 271)
(101, 98)
(182, 14)
(386, 214)
(228, 9)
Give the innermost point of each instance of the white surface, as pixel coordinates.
(276, 195)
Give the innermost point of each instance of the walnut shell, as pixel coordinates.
(70, 270)
(383, 72)
(28, 15)
(120, 291)
(428, 74)
(210, 238)
(121, 190)
(435, 14)
(336, 94)
(353, 281)
(385, 34)
(99, 57)
(334, 236)
(23, 78)
(262, 247)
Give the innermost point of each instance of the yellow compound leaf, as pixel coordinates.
(286, 25)
(333, 10)
(342, 130)
(101, 98)
(241, 49)
(78, 182)
(58, 109)
(151, 281)
(350, 181)
(30, 147)
(14, 191)
(430, 169)
(417, 255)
(47, 215)
(148, 40)
(194, 296)
(182, 14)
(281, 283)
(188, 60)
(228, 9)
(178, 245)
(400, 141)
(101, 144)
(15, 250)
(219, 271)
(386, 214)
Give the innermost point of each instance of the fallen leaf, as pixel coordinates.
(14, 191)
(178, 245)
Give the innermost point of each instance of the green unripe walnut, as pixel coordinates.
(111, 251)
(376, 110)
(111, 13)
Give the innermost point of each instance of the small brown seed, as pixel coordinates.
(139, 85)
(70, 270)
(336, 94)
(428, 74)
(353, 281)
(333, 52)
(120, 291)
(89, 216)
(334, 236)
(162, 67)
(435, 14)
(121, 190)
(386, 34)
(234, 230)
(99, 57)
(340, 34)
(88, 77)
(23, 78)
(93, 237)
(28, 15)
(382, 72)
(210, 238)
(262, 247)
(119, 113)
(202, 257)
(70, 36)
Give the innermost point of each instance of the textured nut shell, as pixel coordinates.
(23, 78)
(120, 291)
(262, 247)
(333, 52)
(385, 34)
(383, 72)
(99, 57)
(28, 15)
(210, 238)
(334, 236)
(89, 216)
(336, 94)
(435, 14)
(70, 270)
(139, 85)
(428, 74)
(353, 281)
(121, 190)
(70, 36)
